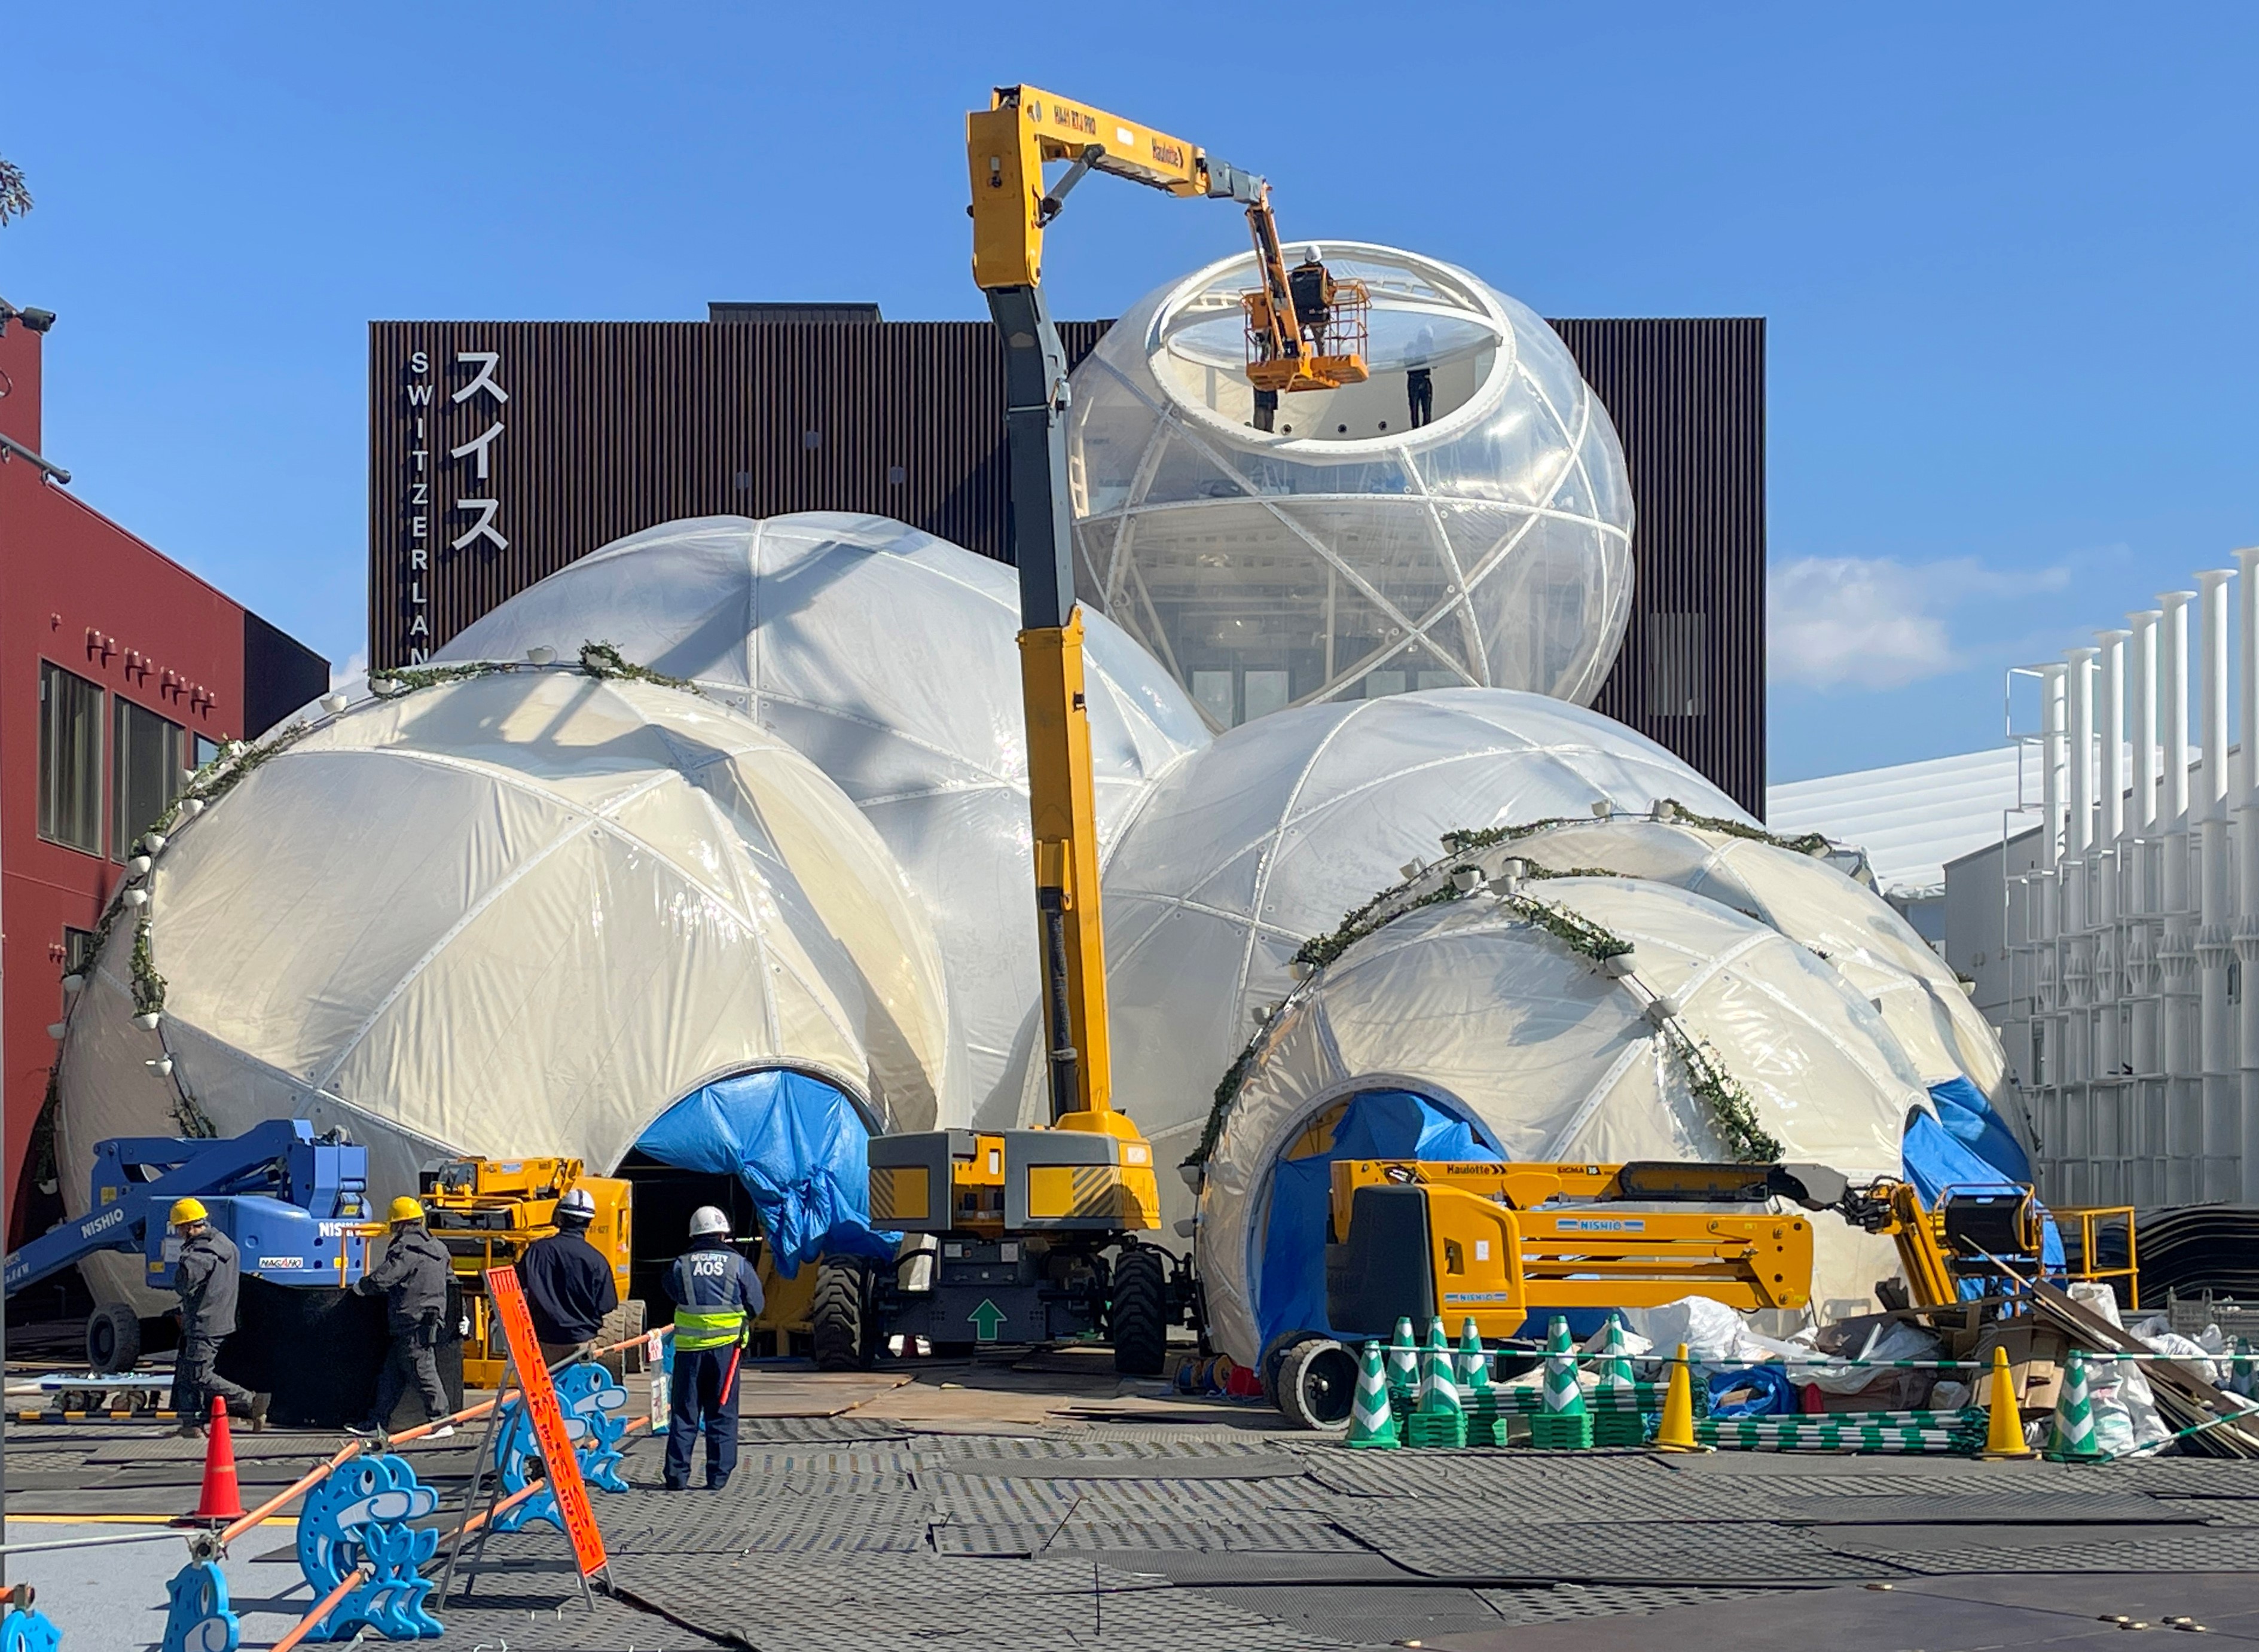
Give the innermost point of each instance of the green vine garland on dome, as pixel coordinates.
(1732, 1113)
(601, 659)
(391, 684)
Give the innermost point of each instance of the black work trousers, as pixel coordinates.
(196, 1384)
(412, 1357)
(705, 1396)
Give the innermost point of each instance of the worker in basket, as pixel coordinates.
(413, 1280)
(716, 1294)
(569, 1287)
(207, 1278)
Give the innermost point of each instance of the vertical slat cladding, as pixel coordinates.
(1688, 400)
(614, 426)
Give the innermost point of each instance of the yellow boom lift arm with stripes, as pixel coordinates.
(1029, 1213)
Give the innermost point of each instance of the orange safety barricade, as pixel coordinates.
(562, 1462)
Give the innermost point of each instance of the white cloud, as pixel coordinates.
(354, 674)
(1875, 621)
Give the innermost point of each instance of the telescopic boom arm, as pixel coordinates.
(1008, 145)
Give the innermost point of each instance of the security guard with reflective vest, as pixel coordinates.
(715, 1294)
(207, 1277)
(413, 1280)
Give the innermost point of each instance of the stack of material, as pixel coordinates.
(2201, 1247)
(2205, 1421)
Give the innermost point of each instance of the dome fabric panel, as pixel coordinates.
(887, 657)
(1473, 1005)
(1264, 839)
(1811, 901)
(520, 913)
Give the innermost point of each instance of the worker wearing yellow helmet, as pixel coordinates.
(413, 1280)
(207, 1277)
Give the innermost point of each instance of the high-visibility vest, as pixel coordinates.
(697, 1328)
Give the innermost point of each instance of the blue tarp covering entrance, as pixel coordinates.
(1955, 1149)
(1969, 1118)
(797, 1144)
(1291, 1272)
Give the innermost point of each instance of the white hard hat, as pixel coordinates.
(705, 1220)
(577, 1204)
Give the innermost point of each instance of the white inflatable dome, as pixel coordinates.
(1811, 901)
(1268, 836)
(1476, 1008)
(521, 913)
(1349, 554)
(887, 657)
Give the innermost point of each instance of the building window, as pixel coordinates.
(147, 754)
(1265, 692)
(70, 759)
(1216, 692)
(1678, 664)
(204, 748)
(78, 951)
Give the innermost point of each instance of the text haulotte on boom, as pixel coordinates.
(474, 455)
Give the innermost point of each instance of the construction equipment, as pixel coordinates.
(1024, 1220)
(1993, 1235)
(1497, 1243)
(296, 1205)
(486, 1212)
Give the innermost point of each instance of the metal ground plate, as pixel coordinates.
(1267, 1466)
(1615, 1554)
(2186, 1550)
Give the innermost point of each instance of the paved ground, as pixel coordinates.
(979, 1505)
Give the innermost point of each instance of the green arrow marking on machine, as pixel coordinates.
(985, 1318)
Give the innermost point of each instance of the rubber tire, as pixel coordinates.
(840, 1317)
(1275, 1356)
(1317, 1384)
(1138, 1317)
(622, 1322)
(113, 1338)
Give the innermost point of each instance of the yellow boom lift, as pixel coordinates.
(1024, 1219)
(1498, 1242)
(486, 1212)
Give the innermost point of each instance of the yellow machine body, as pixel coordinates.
(1500, 1241)
(1066, 1179)
(486, 1212)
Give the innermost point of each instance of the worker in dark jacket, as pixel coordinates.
(413, 1278)
(716, 1292)
(206, 1277)
(569, 1285)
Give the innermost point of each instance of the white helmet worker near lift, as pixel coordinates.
(569, 1287)
(715, 1294)
(207, 1277)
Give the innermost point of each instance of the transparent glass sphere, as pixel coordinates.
(1352, 553)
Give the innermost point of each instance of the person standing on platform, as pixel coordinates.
(207, 1277)
(413, 1280)
(569, 1285)
(716, 1294)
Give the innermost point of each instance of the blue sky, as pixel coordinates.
(2007, 253)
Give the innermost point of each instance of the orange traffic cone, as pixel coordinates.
(222, 1500)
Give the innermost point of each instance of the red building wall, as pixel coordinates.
(79, 590)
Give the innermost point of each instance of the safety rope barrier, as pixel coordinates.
(306, 1624)
(1824, 1363)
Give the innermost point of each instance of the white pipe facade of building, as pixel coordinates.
(2134, 929)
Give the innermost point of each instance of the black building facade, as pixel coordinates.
(500, 450)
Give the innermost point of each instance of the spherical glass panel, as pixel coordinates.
(1461, 518)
